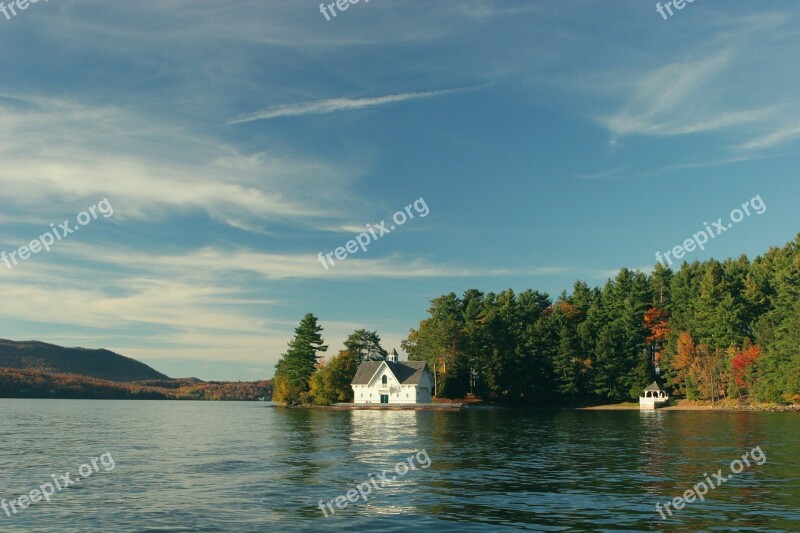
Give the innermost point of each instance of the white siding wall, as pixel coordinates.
(425, 389)
(397, 394)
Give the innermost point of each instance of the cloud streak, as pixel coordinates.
(60, 152)
(210, 263)
(721, 92)
(773, 139)
(333, 105)
(674, 100)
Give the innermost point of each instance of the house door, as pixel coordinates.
(384, 398)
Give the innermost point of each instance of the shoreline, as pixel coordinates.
(683, 405)
(689, 405)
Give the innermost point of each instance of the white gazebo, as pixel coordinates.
(653, 397)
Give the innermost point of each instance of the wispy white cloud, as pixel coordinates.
(59, 153)
(333, 105)
(782, 135)
(624, 173)
(214, 262)
(679, 99)
(611, 173)
(346, 228)
(717, 86)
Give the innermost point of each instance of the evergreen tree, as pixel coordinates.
(777, 372)
(440, 342)
(365, 345)
(298, 364)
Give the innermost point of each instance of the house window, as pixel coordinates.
(384, 379)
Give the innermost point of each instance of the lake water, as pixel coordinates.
(202, 466)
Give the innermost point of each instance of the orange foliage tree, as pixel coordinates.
(700, 370)
(656, 323)
(741, 361)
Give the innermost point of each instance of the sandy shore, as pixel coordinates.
(689, 405)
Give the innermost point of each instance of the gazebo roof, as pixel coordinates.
(653, 387)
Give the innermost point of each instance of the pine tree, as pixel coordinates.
(298, 364)
(365, 346)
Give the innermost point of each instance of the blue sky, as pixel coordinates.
(551, 141)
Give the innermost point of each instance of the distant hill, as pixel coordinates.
(99, 364)
(16, 383)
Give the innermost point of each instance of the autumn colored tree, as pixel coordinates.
(742, 363)
(331, 383)
(682, 364)
(656, 324)
(710, 372)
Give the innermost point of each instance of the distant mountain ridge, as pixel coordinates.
(99, 364)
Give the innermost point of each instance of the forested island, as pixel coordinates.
(717, 331)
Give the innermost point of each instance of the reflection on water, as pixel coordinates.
(192, 466)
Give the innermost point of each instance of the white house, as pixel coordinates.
(392, 381)
(653, 397)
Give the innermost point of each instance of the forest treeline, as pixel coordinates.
(710, 330)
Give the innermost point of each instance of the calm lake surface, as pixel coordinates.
(202, 466)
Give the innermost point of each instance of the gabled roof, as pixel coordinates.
(406, 372)
(365, 372)
(653, 387)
